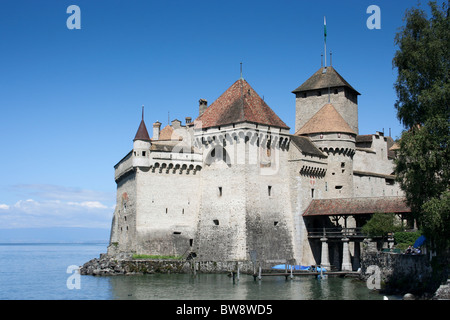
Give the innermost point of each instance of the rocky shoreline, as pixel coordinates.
(108, 266)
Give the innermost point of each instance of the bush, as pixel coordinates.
(404, 239)
(380, 225)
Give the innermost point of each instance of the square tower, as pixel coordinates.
(326, 86)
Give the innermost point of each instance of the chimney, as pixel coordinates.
(188, 120)
(156, 127)
(176, 124)
(203, 104)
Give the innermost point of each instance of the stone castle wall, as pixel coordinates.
(307, 107)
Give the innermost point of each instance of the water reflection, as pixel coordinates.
(222, 287)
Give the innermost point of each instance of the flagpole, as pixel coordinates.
(325, 39)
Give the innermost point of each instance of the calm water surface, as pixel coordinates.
(39, 271)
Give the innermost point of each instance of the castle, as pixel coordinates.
(235, 185)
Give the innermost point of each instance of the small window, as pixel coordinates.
(216, 222)
(220, 191)
(182, 211)
(176, 232)
(269, 190)
(342, 164)
(275, 223)
(312, 193)
(191, 242)
(167, 210)
(143, 153)
(338, 187)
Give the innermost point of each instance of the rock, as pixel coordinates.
(443, 292)
(409, 296)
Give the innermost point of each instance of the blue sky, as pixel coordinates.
(71, 100)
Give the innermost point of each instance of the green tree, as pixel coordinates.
(423, 92)
(380, 224)
(423, 65)
(436, 220)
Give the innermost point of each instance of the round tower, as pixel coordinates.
(141, 146)
(333, 136)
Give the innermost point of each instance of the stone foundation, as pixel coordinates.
(106, 265)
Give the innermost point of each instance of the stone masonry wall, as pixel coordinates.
(399, 273)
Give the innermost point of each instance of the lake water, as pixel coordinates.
(40, 271)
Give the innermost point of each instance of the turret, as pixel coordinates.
(326, 86)
(333, 136)
(141, 145)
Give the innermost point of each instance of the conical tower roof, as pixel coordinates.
(142, 133)
(239, 103)
(326, 120)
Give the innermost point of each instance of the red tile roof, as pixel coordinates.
(239, 103)
(350, 206)
(327, 119)
(168, 133)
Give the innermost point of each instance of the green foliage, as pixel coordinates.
(156, 257)
(423, 61)
(380, 224)
(422, 163)
(405, 239)
(436, 221)
(423, 92)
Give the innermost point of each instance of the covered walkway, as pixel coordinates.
(326, 221)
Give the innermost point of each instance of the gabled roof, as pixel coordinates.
(142, 133)
(239, 103)
(320, 80)
(350, 206)
(327, 119)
